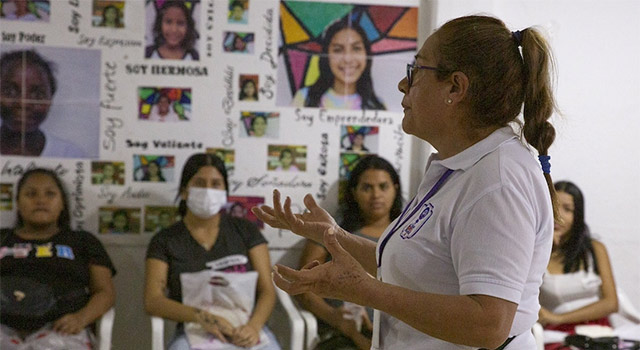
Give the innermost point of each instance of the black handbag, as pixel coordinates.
(584, 342)
(27, 304)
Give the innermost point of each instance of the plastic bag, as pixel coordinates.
(226, 294)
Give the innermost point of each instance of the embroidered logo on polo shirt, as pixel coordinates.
(415, 226)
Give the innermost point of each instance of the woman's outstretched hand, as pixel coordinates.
(311, 224)
(341, 278)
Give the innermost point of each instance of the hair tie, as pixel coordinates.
(546, 166)
(517, 35)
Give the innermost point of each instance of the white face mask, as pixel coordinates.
(205, 202)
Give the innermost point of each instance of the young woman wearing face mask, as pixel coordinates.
(204, 237)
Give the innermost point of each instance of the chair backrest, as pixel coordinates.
(627, 309)
(157, 333)
(105, 329)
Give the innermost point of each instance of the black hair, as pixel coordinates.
(352, 218)
(576, 245)
(64, 220)
(244, 83)
(190, 36)
(364, 86)
(30, 57)
(191, 167)
(104, 18)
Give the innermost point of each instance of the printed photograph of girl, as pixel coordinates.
(238, 11)
(164, 104)
(107, 173)
(108, 14)
(359, 139)
(260, 124)
(240, 207)
(351, 59)
(153, 168)
(158, 218)
(119, 220)
(248, 87)
(228, 156)
(287, 158)
(46, 96)
(6, 197)
(25, 10)
(238, 42)
(171, 29)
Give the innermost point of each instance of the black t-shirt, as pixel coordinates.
(230, 253)
(61, 261)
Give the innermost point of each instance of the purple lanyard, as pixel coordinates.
(401, 222)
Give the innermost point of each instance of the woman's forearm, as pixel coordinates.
(164, 307)
(99, 303)
(595, 311)
(473, 320)
(261, 312)
(362, 249)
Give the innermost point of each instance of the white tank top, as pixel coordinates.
(562, 293)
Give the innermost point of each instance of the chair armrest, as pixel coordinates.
(105, 329)
(626, 308)
(286, 323)
(538, 335)
(157, 333)
(311, 335)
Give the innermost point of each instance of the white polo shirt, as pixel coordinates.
(488, 230)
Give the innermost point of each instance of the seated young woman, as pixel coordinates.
(371, 199)
(56, 282)
(578, 287)
(206, 239)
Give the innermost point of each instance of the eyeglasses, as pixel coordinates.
(412, 66)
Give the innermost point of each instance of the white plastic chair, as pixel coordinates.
(311, 329)
(285, 323)
(538, 334)
(104, 327)
(626, 308)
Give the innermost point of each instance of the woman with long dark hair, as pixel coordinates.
(345, 71)
(56, 281)
(206, 239)
(578, 287)
(371, 199)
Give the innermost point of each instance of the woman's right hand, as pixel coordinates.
(311, 224)
(216, 325)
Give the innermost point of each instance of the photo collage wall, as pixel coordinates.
(115, 95)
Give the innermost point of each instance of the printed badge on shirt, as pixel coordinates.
(410, 230)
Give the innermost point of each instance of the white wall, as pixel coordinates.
(597, 49)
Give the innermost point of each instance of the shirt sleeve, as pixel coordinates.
(492, 245)
(251, 235)
(157, 248)
(97, 254)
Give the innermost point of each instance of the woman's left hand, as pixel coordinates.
(340, 278)
(546, 317)
(245, 336)
(69, 324)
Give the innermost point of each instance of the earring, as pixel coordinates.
(449, 101)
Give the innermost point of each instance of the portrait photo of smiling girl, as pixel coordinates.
(172, 32)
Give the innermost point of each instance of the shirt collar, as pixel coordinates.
(467, 158)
